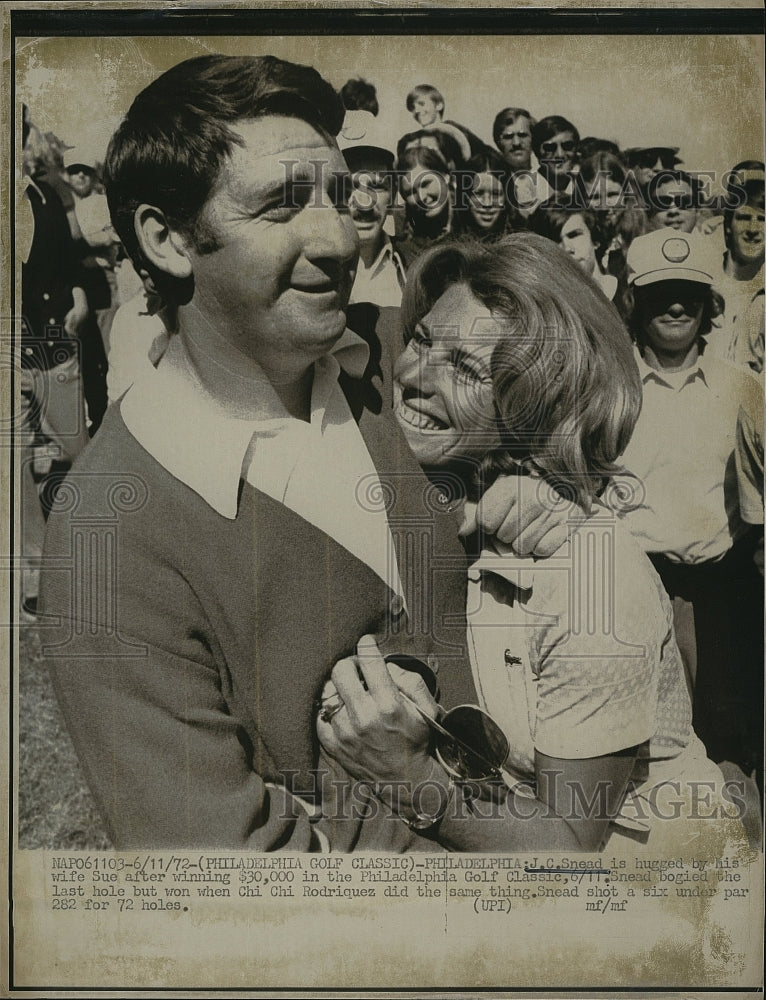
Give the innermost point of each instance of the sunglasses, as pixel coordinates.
(682, 201)
(466, 741)
(549, 148)
(648, 160)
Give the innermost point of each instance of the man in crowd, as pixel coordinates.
(426, 105)
(380, 271)
(740, 281)
(512, 134)
(674, 201)
(648, 161)
(686, 513)
(256, 496)
(54, 310)
(554, 143)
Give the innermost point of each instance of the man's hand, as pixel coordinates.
(523, 512)
(372, 731)
(77, 315)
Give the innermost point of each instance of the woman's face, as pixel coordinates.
(487, 201)
(443, 387)
(576, 240)
(425, 191)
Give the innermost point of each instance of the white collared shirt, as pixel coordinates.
(320, 468)
(681, 456)
(383, 282)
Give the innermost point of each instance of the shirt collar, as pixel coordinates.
(697, 371)
(199, 441)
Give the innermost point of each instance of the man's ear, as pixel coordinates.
(162, 246)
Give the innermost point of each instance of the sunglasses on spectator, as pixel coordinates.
(549, 148)
(467, 742)
(648, 160)
(683, 201)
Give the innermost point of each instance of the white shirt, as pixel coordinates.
(684, 499)
(730, 337)
(320, 469)
(383, 282)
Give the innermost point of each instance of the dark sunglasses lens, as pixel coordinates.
(415, 666)
(479, 747)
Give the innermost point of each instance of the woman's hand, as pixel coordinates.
(370, 729)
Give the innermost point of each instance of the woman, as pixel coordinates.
(613, 192)
(582, 235)
(516, 361)
(426, 189)
(484, 211)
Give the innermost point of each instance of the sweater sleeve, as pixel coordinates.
(168, 764)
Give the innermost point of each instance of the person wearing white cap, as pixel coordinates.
(686, 511)
(380, 272)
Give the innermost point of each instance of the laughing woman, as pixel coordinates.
(516, 362)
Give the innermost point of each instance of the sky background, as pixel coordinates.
(702, 93)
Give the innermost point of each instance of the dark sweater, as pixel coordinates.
(191, 648)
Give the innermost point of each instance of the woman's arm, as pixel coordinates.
(378, 737)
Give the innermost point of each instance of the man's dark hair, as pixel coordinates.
(551, 217)
(507, 117)
(169, 149)
(549, 126)
(359, 95)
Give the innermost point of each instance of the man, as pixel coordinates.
(380, 271)
(686, 513)
(97, 246)
(512, 134)
(54, 308)
(648, 161)
(740, 335)
(243, 501)
(426, 105)
(674, 201)
(554, 142)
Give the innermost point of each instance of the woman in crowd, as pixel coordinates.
(426, 188)
(483, 210)
(575, 659)
(611, 190)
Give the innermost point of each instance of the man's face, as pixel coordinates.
(81, 180)
(426, 111)
(368, 205)
(678, 211)
(744, 237)
(557, 155)
(576, 240)
(515, 143)
(671, 312)
(277, 284)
